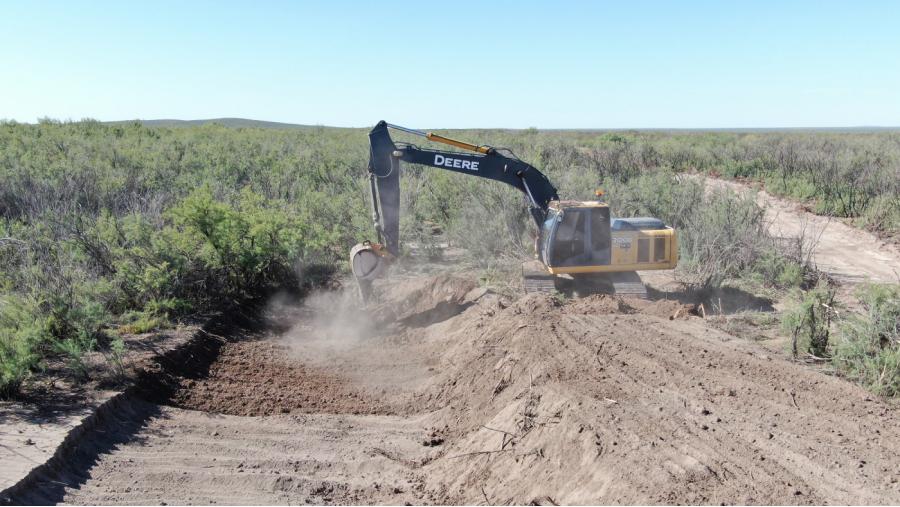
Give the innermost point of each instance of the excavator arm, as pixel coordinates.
(484, 162)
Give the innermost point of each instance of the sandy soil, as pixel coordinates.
(597, 400)
(260, 378)
(163, 455)
(51, 405)
(846, 253)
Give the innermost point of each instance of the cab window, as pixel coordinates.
(569, 240)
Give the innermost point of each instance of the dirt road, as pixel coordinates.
(847, 254)
(593, 401)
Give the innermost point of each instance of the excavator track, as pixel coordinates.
(628, 284)
(536, 279)
(625, 284)
(539, 284)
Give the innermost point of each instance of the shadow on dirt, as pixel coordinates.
(724, 300)
(115, 424)
(159, 382)
(46, 405)
(441, 312)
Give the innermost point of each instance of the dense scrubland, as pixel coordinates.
(113, 229)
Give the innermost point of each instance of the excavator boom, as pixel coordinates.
(484, 162)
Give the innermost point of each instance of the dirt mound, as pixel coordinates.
(606, 401)
(257, 378)
(419, 302)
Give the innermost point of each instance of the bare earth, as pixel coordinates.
(595, 401)
(445, 394)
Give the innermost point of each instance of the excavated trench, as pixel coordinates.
(445, 395)
(238, 416)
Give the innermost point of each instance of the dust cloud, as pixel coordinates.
(324, 322)
(334, 331)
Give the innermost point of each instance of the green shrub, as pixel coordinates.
(795, 187)
(495, 227)
(809, 320)
(73, 350)
(869, 346)
(115, 356)
(138, 322)
(743, 168)
(774, 268)
(21, 332)
(882, 214)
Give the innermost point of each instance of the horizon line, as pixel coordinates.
(291, 124)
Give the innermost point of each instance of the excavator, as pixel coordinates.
(580, 247)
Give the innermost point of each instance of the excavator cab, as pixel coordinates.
(576, 234)
(580, 237)
(581, 248)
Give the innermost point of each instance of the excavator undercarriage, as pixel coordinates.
(535, 278)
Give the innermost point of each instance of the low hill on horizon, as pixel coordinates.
(228, 122)
(250, 123)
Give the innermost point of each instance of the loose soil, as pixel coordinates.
(598, 400)
(259, 378)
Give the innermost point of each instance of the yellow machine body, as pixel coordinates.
(624, 245)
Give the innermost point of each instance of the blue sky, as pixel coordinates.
(618, 64)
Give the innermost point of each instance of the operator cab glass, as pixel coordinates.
(576, 236)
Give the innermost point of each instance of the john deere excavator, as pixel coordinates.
(580, 248)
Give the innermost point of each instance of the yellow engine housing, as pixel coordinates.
(633, 251)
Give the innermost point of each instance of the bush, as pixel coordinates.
(869, 346)
(495, 227)
(882, 214)
(775, 268)
(721, 235)
(21, 332)
(809, 322)
(795, 187)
